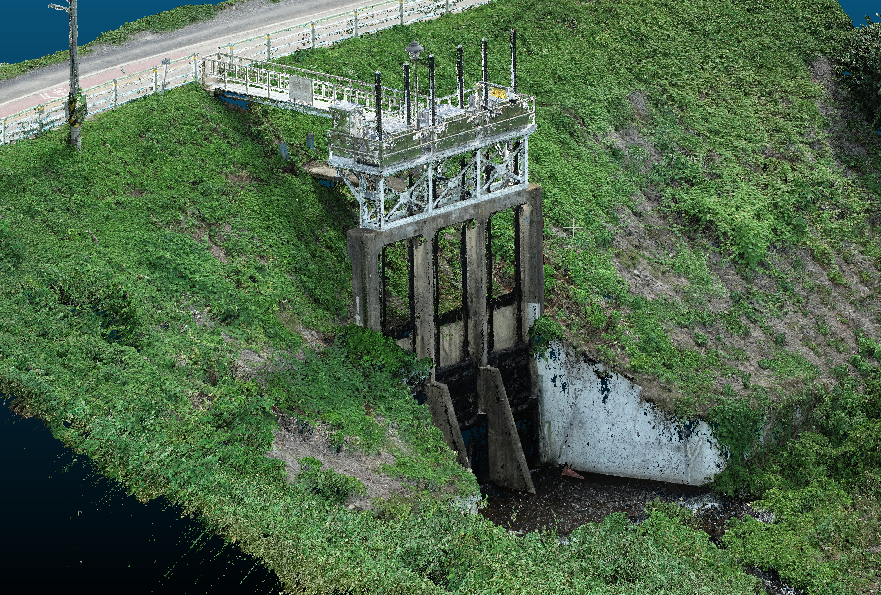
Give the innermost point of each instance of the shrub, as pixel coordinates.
(859, 66)
(542, 332)
(11, 252)
(327, 483)
(371, 349)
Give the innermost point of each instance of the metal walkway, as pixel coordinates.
(285, 87)
(450, 151)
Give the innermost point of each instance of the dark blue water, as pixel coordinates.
(44, 30)
(19, 42)
(65, 526)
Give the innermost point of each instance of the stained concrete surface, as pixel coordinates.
(504, 328)
(452, 343)
(594, 419)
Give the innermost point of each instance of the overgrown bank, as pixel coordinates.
(727, 258)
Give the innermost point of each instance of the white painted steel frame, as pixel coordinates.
(504, 180)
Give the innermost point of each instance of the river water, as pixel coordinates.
(67, 527)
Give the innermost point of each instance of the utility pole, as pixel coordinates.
(74, 111)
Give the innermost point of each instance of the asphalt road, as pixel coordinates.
(146, 50)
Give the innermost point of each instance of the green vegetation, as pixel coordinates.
(542, 332)
(328, 484)
(863, 50)
(727, 257)
(167, 20)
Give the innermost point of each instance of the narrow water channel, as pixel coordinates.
(567, 502)
(67, 527)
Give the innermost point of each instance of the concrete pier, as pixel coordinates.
(441, 407)
(364, 249)
(507, 464)
(531, 263)
(475, 244)
(423, 293)
(470, 340)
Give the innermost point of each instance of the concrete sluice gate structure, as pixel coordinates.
(421, 167)
(489, 396)
(503, 410)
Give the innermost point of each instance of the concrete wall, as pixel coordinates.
(452, 336)
(452, 343)
(504, 328)
(594, 421)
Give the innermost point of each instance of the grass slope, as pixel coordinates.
(727, 258)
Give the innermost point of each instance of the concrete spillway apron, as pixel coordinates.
(507, 464)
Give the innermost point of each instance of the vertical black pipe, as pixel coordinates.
(516, 150)
(433, 122)
(485, 75)
(412, 296)
(514, 60)
(490, 340)
(462, 165)
(431, 84)
(407, 90)
(416, 89)
(409, 175)
(378, 92)
(460, 77)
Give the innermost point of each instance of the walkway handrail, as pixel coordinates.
(327, 87)
(311, 34)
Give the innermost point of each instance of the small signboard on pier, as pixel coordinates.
(301, 89)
